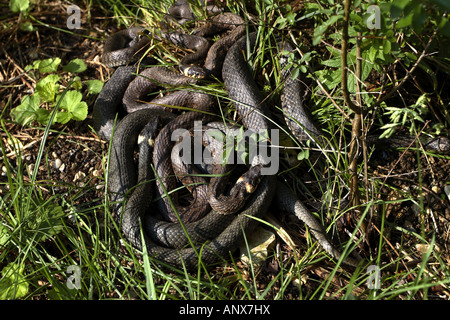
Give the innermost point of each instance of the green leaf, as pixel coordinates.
(75, 66)
(63, 117)
(25, 113)
(76, 83)
(329, 78)
(42, 115)
(405, 117)
(389, 125)
(27, 26)
(419, 18)
(281, 22)
(387, 133)
(303, 155)
(398, 8)
(356, 18)
(306, 57)
(291, 17)
(444, 27)
(333, 19)
(318, 33)
(45, 220)
(422, 100)
(334, 63)
(19, 5)
(366, 69)
(373, 52)
(49, 65)
(401, 3)
(13, 284)
(405, 22)
(386, 46)
(4, 235)
(33, 66)
(71, 102)
(48, 87)
(94, 86)
(263, 136)
(295, 73)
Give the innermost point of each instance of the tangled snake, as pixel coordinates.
(208, 235)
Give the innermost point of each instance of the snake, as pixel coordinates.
(161, 159)
(221, 240)
(210, 235)
(121, 180)
(228, 228)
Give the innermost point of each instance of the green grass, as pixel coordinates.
(43, 232)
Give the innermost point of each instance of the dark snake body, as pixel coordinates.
(162, 155)
(223, 231)
(227, 230)
(167, 241)
(250, 104)
(124, 46)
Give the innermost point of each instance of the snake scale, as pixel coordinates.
(209, 234)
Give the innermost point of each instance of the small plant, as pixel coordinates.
(13, 284)
(19, 5)
(22, 7)
(404, 116)
(47, 93)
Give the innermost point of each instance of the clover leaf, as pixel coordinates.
(25, 113)
(94, 86)
(47, 93)
(74, 66)
(19, 5)
(48, 87)
(73, 107)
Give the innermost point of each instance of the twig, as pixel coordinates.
(21, 71)
(13, 153)
(357, 120)
(344, 65)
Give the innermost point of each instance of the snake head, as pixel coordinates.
(194, 71)
(249, 181)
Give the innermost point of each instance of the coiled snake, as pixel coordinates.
(210, 235)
